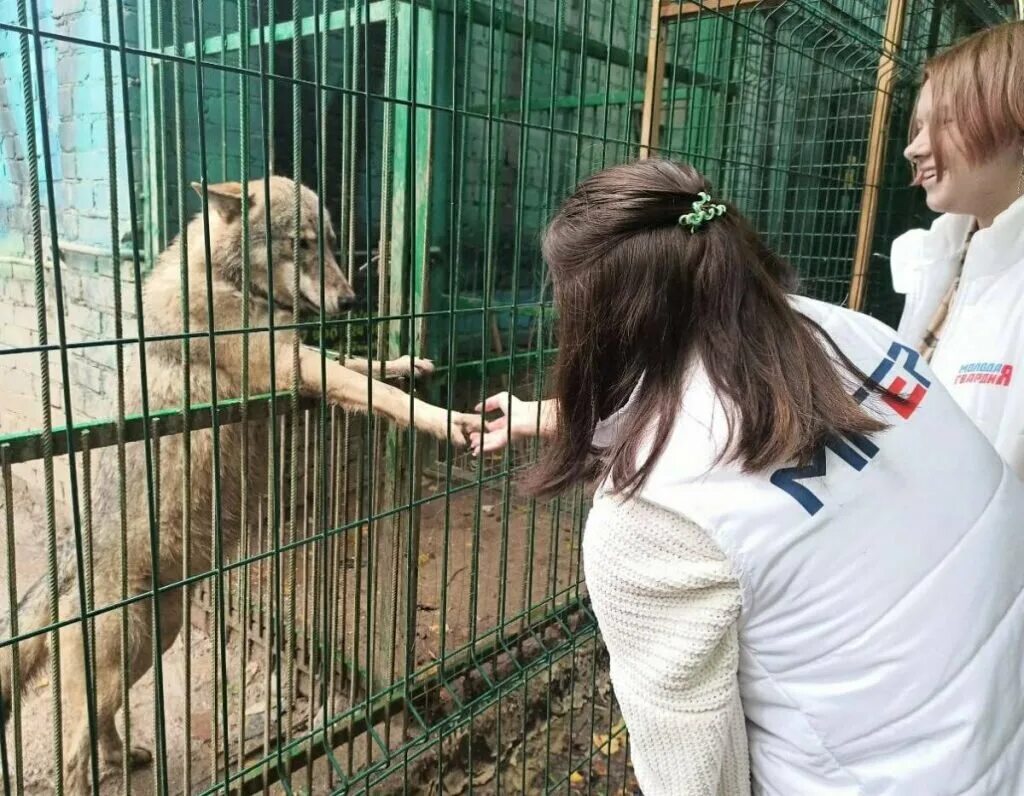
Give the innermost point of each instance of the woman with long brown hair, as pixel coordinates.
(803, 557)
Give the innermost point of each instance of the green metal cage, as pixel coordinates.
(398, 618)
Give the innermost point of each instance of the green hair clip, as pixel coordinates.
(702, 213)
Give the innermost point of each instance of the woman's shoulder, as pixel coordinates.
(633, 530)
(832, 317)
(942, 238)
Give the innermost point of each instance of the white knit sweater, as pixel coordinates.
(667, 602)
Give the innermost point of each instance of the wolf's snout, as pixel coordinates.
(348, 302)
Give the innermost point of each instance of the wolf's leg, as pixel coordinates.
(350, 390)
(107, 677)
(106, 674)
(398, 368)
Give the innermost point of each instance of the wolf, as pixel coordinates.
(165, 304)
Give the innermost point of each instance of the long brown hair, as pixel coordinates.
(639, 295)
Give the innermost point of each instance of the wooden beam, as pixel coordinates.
(650, 122)
(881, 113)
(673, 10)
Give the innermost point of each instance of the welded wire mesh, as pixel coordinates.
(395, 616)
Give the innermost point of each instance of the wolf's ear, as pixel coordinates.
(224, 197)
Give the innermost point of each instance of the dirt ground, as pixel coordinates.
(566, 719)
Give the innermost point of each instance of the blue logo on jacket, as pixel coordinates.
(856, 450)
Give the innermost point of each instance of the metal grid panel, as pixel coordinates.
(395, 618)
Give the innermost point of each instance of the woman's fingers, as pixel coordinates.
(497, 402)
(488, 443)
(498, 424)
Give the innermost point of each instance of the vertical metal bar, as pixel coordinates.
(610, 38)
(368, 484)
(380, 599)
(12, 600)
(488, 287)
(421, 91)
(87, 537)
(290, 561)
(348, 228)
(160, 734)
(457, 138)
(526, 95)
(220, 711)
(273, 518)
(881, 113)
(267, 614)
(455, 286)
(115, 244)
(581, 89)
(391, 301)
(45, 401)
(244, 519)
(65, 376)
(156, 500)
(304, 542)
(158, 175)
(512, 347)
(653, 83)
(364, 485)
(672, 99)
(223, 119)
(186, 395)
(320, 646)
(337, 637)
(151, 86)
(270, 132)
(5, 767)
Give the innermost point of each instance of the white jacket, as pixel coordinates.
(881, 633)
(980, 355)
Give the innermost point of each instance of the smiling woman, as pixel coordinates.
(964, 277)
(967, 136)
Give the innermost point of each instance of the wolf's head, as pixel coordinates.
(316, 277)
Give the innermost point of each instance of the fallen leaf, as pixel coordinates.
(609, 745)
(576, 778)
(455, 781)
(485, 773)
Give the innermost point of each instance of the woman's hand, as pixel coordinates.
(519, 420)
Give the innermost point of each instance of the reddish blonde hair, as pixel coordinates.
(979, 82)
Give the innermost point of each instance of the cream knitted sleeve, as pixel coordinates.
(667, 603)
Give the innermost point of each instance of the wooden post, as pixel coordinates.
(651, 120)
(677, 8)
(880, 116)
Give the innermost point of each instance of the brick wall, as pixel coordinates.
(73, 78)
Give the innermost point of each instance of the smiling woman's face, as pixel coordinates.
(982, 190)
